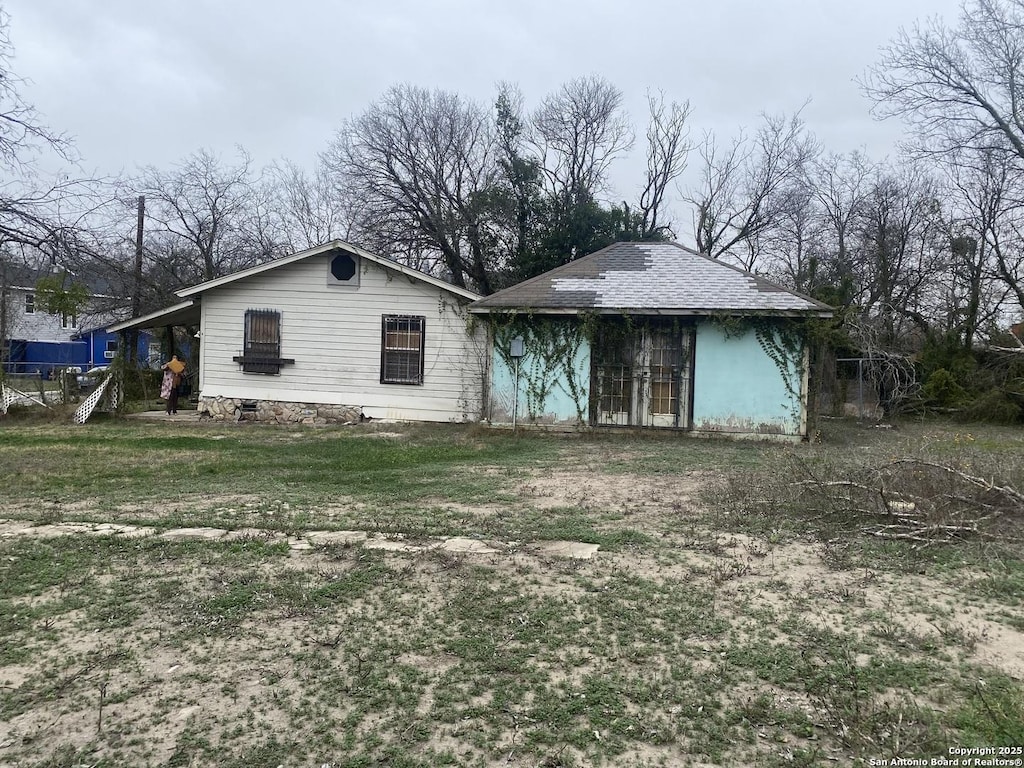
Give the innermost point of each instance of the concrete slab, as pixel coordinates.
(467, 546)
(393, 545)
(121, 531)
(344, 538)
(194, 534)
(51, 531)
(187, 415)
(575, 550)
(135, 532)
(11, 530)
(255, 534)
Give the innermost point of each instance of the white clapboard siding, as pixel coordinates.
(37, 326)
(334, 335)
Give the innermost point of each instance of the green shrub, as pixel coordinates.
(141, 384)
(942, 390)
(994, 407)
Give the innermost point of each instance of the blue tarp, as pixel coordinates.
(40, 358)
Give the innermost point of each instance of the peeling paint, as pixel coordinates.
(739, 389)
(501, 416)
(733, 423)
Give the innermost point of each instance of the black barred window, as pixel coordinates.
(262, 352)
(401, 355)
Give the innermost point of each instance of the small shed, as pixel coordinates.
(653, 336)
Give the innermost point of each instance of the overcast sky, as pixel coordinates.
(140, 83)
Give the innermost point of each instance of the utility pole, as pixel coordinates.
(133, 335)
(4, 298)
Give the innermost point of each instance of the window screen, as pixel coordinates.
(402, 349)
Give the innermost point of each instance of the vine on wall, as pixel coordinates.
(782, 339)
(551, 346)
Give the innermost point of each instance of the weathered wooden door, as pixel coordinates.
(643, 378)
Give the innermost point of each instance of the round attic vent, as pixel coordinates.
(343, 267)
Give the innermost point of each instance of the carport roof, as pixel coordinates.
(184, 313)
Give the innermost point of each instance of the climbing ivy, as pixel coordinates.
(782, 339)
(551, 346)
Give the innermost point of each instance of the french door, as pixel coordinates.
(643, 377)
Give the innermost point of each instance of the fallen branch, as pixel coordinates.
(979, 482)
(907, 499)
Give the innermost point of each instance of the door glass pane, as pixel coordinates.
(613, 377)
(666, 358)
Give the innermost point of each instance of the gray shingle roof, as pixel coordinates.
(22, 276)
(656, 277)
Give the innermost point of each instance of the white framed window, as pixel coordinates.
(30, 303)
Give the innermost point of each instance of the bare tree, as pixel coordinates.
(41, 219)
(443, 185)
(578, 131)
(22, 134)
(741, 191)
(985, 232)
(32, 206)
(796, 243)
(840, 185)
(668, 147)
(889, 369)
(958, 87)
(311, 208)
(575, 135)
(899, 253)
(419, 159)
(810, 244)
(206, 218)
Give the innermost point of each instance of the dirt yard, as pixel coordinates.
(442, 616)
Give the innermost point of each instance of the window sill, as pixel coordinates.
(267, 362)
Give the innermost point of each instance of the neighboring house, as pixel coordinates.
(37, 342)
(650, 335)
(333, 333)
(102, 347)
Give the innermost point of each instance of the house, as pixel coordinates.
(36, 342)
(331, 334)
(650, 335)
(102, 346)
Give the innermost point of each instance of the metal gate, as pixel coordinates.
(643, 378)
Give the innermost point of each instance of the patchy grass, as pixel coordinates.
(729, 618)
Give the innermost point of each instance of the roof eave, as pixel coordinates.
(183, 313)
(672, 311)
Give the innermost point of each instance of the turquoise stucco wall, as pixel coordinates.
(737, 387)
(544, 393)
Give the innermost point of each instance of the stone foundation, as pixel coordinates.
(276, 412)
